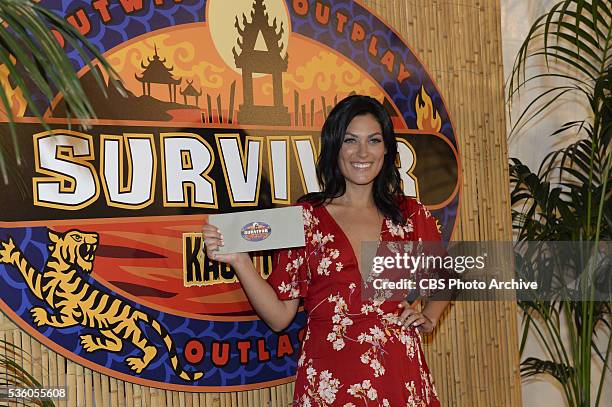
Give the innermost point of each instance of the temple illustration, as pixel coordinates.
(157, 72)
(259, 51)
(191, 91)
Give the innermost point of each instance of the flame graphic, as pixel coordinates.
(427, 117)
(14, 95)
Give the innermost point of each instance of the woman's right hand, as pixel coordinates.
(213, 240)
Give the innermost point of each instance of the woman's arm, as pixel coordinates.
(277, 313)
(434, 309)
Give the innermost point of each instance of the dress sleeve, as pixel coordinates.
(290, 277)
(425, 225)
(427, 233)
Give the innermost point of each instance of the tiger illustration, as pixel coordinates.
(74, 301)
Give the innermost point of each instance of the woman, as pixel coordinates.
(356, 351)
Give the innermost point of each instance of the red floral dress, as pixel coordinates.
(353, 352)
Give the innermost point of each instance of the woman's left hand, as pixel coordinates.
(411, 317)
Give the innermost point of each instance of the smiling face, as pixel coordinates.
(363, 151)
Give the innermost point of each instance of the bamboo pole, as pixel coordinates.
(474, 72)
(97, 389)
(138, 396)
(121, 393)
(151, 396)
(44, 357)
(89, 388)
(175, 399)
(129, 395)
(36, 356)
(53, 370)
(114, 391)
(79, 385)
(273, 399)
(62, 378)
(71, 383)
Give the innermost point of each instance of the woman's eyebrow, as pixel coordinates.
(378, 133)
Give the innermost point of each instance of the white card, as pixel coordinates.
(260, 230)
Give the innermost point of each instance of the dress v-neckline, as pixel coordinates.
(348, 241)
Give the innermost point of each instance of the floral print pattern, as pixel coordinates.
(353, 353)
(322, 387)
(340, 320)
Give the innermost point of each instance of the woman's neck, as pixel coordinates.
(356, 197)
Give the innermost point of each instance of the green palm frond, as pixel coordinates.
(574, 41)
(34, 59)
(535, 366)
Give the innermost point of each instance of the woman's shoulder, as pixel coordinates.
(311, 202)
(411, 207)
(305, 205)
(408, 203)
(420, 219)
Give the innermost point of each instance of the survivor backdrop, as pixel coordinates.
(100, 257)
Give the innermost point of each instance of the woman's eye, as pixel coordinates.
(349, 140)
(375, 140)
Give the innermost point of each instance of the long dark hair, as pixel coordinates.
(387, 187)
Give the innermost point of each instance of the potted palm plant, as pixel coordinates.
(568, 197)
(34, 67)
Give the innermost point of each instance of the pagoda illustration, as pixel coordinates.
(157, 72)
(191, 91)
(259, 51)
